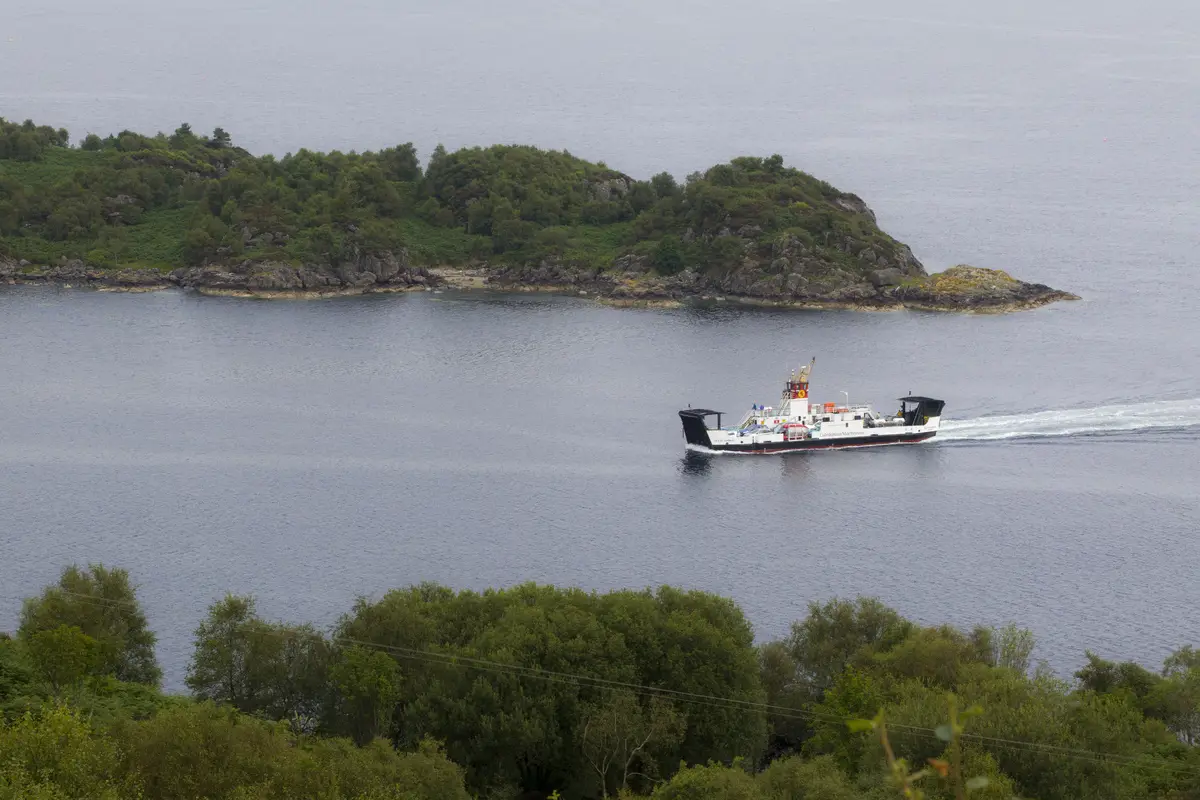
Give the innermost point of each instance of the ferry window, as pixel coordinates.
(825, 419)
(858, 416)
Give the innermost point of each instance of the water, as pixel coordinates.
(1159, 415)
(312, 452)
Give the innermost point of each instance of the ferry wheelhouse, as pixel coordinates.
(797, 424)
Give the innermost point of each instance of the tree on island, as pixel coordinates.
(220, 139)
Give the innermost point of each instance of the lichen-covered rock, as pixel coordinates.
(134, 278)
(855, 205)
(970, 288)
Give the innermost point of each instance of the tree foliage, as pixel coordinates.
(273, 670)
(107, 200)
(63, 656)
(102, 604)
(509, 731)
(201, 751)
(839, 634)
(544, 692)
(29, 142)
(367, 685)
(622, 739)
(56, 756)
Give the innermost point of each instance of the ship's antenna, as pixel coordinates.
(847, 397)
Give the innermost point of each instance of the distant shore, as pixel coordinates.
(976, 291)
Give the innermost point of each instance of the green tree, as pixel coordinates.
(220, 138)
(936, 656)
(1106, 677)
(1013, 648)
(102, 603)
(509, 729)
(622, 739)
(553, 241)
(16, 673)
(664, 185)
(200, 750)
(54, 755)
(198, 244)
(1176, 698)
(710, 782)
(327, 209)
(1046, 718)
(840, 633)
(512, 234)
(794, 778)
(183, 137)
(63, 656)
(438, 156)
(278, 671)
(668, 256)
(400, 163)
(28, 148)
(10, 216)
(856, 694)
(367, 683)
(221, 664)
(642, 196)
(786, 719)
(726, 253)
(1181, 661)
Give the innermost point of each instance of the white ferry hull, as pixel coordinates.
(774, 444)
(698, 435)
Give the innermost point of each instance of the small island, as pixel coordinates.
(134, 212)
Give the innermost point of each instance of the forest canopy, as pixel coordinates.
(186, 198)
(541, 692)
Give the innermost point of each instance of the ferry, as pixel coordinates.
(797, 424)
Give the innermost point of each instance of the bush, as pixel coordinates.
(667, 257)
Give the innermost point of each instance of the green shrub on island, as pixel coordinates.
(164, 201)
(541, 692)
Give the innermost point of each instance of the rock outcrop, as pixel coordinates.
(376, 272)
(793, 283)
(966, 288)
(381, 272)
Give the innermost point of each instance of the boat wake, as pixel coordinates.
(1163, 414)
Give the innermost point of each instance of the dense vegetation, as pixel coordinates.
(540, 692)
(166, 201)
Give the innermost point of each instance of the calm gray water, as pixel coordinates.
(312, 452)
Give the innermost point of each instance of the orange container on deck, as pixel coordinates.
(829, 406)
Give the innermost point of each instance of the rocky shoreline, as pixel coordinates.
(959, 289)
(630, 284)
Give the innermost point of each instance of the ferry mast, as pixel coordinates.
(797, 385)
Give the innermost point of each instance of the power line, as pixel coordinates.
(694, 698)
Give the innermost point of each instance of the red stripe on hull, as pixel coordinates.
(797, 447)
